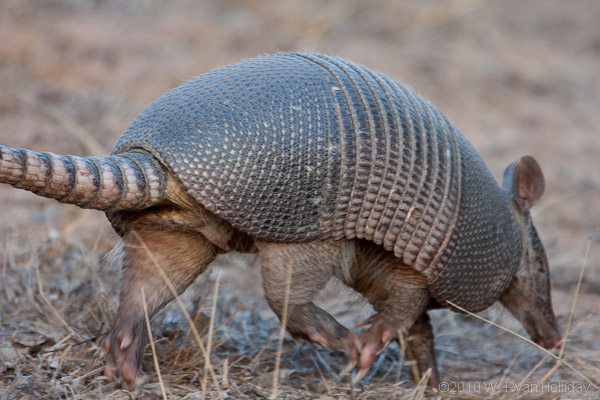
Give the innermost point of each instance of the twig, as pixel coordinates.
(535, 367)
(88, 262)
(419, 391)
(502, 327)
(5, 266)
(49, 303)
(327, 366)
(525, 339)
(260, 352)
(402, 341)
(570, 320)
(211, 326)
(504, 375)
(79, 343)
(71, 227)
(225, 377)
(181, 306)
(322, 378)
(152, 347)
(413, 365)
(282, 333)
(72, 128)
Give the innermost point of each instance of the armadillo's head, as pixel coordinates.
(528, 295)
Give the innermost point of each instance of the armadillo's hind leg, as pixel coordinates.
(311, 265)
(181, 256)
(420, 348)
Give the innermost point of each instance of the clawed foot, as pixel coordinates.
(348, 343)
(309, 322)
(372, 342)
(124, 348)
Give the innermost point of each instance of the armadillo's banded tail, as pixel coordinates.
(126, 181)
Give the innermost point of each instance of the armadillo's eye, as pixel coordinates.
(540, 266)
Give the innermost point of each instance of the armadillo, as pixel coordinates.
(322, 166)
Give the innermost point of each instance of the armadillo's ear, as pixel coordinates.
(524, 182)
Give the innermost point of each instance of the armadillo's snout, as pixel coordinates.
(551, 342)
(542, 328)
(546, 334)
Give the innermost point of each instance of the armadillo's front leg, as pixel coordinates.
(311, 266)
(182, 257)
(386, 325)
(398, 294)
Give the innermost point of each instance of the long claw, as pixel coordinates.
(385, 345)
(355, 351)
(360, 374)
(367, 321)
(358, 346)
(348, 368)
(126, 341)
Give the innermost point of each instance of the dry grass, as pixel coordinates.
(54, 322)
(516, 77)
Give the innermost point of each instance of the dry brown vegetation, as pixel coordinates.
(517, 77)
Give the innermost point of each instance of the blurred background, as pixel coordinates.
(517, 77)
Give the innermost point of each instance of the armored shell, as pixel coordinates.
(294, 147)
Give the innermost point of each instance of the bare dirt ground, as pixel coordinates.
(517, 77)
